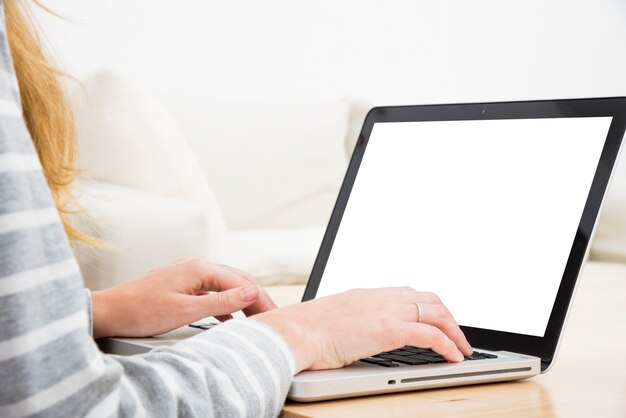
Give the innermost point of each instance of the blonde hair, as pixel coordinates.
(46, 109)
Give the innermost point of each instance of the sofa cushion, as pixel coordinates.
(127, 137)
(273, 256)
(261, 157)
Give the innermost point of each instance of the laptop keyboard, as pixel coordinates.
(414, 356)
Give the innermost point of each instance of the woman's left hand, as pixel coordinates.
(173, 296)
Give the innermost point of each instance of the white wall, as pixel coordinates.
(390, 52)
(386, 52)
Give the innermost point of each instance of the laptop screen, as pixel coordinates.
(481, 212)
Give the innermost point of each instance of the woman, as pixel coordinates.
(49, 363)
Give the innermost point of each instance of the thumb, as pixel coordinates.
(229, 301)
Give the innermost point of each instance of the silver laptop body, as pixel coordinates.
(489, 205)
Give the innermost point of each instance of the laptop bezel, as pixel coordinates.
(543, 347)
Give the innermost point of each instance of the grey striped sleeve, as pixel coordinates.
(50, 365)
(89, 303)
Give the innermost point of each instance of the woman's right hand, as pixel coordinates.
(336, 330)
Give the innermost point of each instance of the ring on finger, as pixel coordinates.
(419, 312)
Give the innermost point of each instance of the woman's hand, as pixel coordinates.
(173, 296)
(337, 330)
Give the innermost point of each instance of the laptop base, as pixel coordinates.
(360, 379)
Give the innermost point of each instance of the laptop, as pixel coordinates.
(492, 207)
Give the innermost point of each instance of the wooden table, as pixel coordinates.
(588, 379)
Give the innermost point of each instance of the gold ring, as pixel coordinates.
(419, 312)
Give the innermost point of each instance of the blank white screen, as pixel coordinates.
(483, 213)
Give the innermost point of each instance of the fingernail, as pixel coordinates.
(249, 293)
(459, 356)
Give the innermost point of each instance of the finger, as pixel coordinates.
(440, 317)
(225, 302)
(264, 303)
(226, 277)
(428, 336)
(436, 315)
(264, 298)
(219, 278)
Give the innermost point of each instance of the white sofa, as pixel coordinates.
(246, 184)
(250, 184)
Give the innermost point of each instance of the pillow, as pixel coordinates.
(127, 137)
(261, 157)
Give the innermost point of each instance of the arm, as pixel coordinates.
(49, 363)
(175, 295)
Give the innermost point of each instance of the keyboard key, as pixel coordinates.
(414, 361)
(379, 362)
(415, 356)
(403, 359)
(417, 350)
(481, 356)
(432, 354)
(427, 358)
(389, 356)
(432, 359)
(401, 352)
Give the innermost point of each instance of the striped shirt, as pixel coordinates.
(50, 365)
